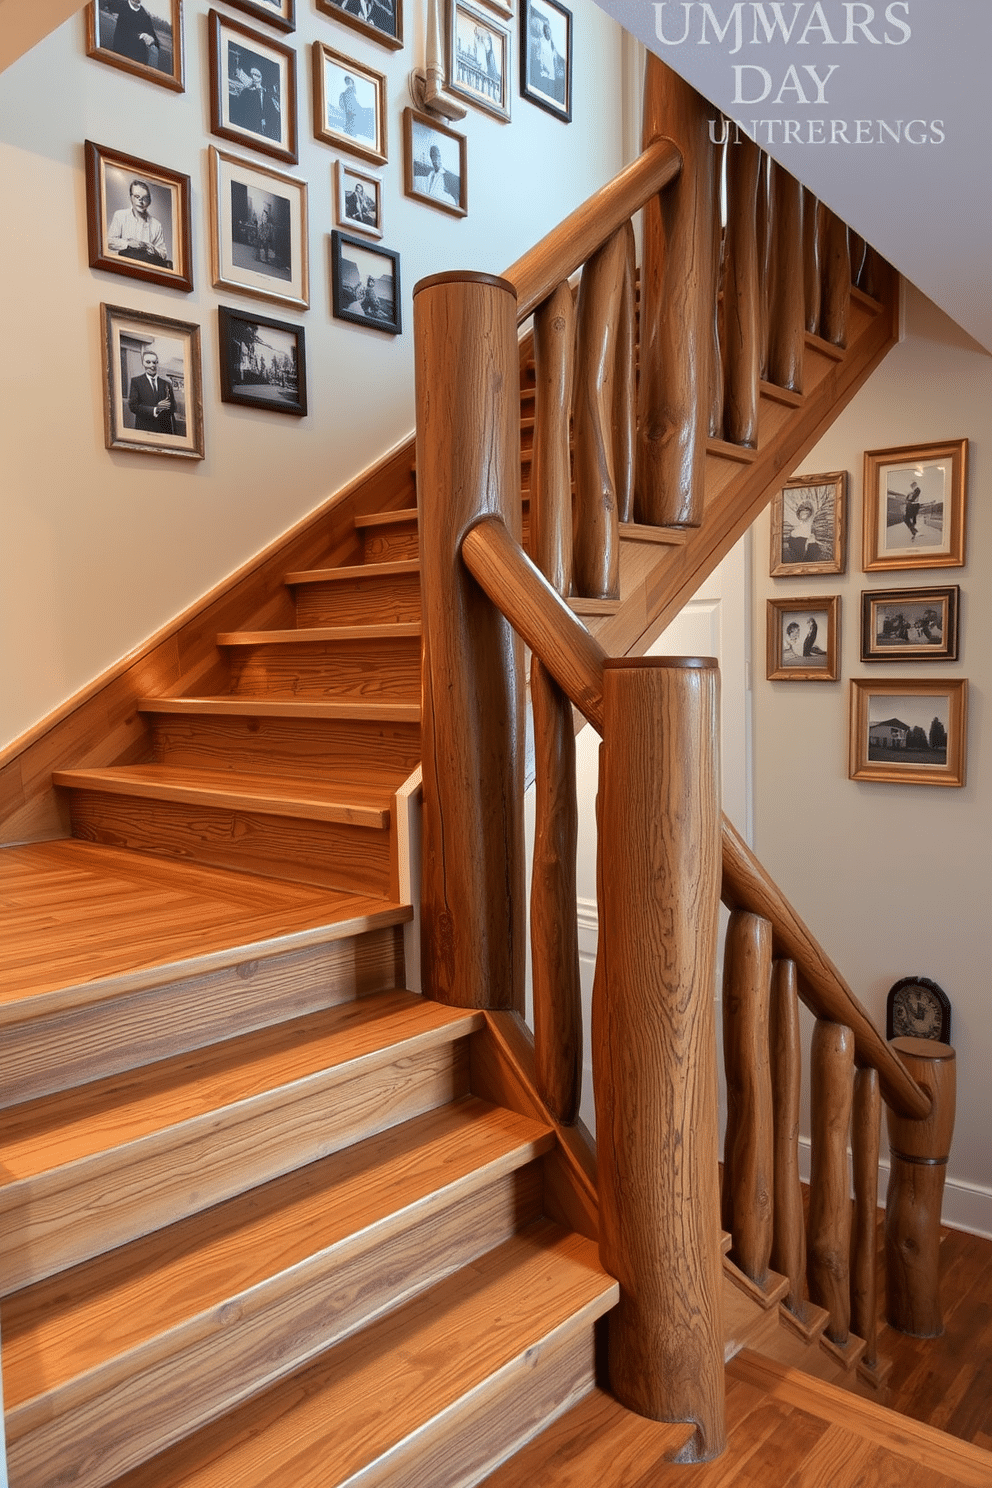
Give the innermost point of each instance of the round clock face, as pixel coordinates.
(916, 1012)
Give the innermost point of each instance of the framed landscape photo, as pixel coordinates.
(278, 13)
(546, 57)
(479, 59)
(909, 624)
(138, 218)
(263, 362)
(914, 503)
(141, 36)
(359, 199)
(349, 104)
(803, 639)
(258, 239)
(365, 283)
(252, 89)
(909, 733)
(809, 526)
(379, 20)
(435, 162)
(153, 394)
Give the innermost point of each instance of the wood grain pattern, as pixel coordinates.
(369, 593)
(829, 1244)
(551, 478)
(866, 1120)
(814, 228)
(749, 1150)
(789, 1244)
(837, 282)
(300, 665)
(787, 308)
(741, 299)
(625, 383)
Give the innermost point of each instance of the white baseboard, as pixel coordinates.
(967, 1206)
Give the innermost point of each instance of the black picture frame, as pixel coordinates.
(379, 20)
(263, 362)
(353, 264)
(161, 252)
(910, 624)
(546, 57)
(252, 89)
(168, 68)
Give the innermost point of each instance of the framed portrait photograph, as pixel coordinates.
(809, 526)
(252, 89)
(909, 733)
(365, 283)
(138, 218)
(914, 506)
(435, 163)
(546, 57)
(140, 36)
(263, 362)
(278, 13)
(153, 394)
(803, 639)
(359, 199)
(479, 59)
(379, 20)
(909, 624)
(258, 239)
(349, 104)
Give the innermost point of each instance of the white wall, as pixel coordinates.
(895, 880)
(102, 548)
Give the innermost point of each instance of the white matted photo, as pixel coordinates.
(252, 88)
(153, 399)
(349, 104)
(914, 506)
(259, 237)
(546, 57)
(435, 163)
(479, 59)
(359, 199)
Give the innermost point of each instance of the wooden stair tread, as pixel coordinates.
(254, 707)
(386, 518)
(638, 532)
(355, 571)
(332, 633)
(375, 1393)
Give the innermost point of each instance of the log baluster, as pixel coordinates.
(596, 532)
(716, 312)
(625, 384)
(787, 308)
(741, 297)
(870, 278)
(551, 470)
(763, 240)
(788, 1255)
(749, 1155)
(654, 1047)
(836, 281)
(859, 251)
(814, 221)
(829, 1245)
(865, 1131)
(919, 1152)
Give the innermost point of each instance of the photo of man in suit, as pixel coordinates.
(152, 399)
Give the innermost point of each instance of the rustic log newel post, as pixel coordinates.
(468, 464)
(654, 1040)
(919, 1151)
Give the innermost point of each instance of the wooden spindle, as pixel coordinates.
(654, 1048)
(597, 533)
(829, 1246)
(749, 1155)
(763, 239)
(788, 1256)
(858, 249)
(741, 299)
(551, 466)
(625, 385)
(919, 1151)
(716, 352)
(836, 282)
(787, 308)
(813, 231)
(872, 270)
(865, 1131)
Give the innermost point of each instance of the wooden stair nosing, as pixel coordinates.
(398, 630)
(387, 518)
(253, 707)
(767, 1294)
(360, 571)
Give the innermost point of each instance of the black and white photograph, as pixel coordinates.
(349, 104)
(140, 36)
(909, 624)
(153, 399)
(379, 20)
(359, 199)
(809, 526)
(803, 639)
(278, 13)
(252, 89)
(262, 362)
(914, 506)
(138, 218)
(435, 161)
(259, 236)
(911, 733)
(365, 283)
(546, 57)
(479, 59)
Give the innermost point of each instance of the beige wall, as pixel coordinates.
(895, 880)
(102, 548)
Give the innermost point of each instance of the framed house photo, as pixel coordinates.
(435, 163)
(479, 59)
(909, 733)
(153, 394)
(379, 20)
(359, 199)
(909, 624)
(349, 104)
(809, 526)
(278, 13)
(546, 57)
(258, 239)
(914, 506)
(140, 36)
(263, 362)
(365, 283)
(252, 89)
(138, 218)
(803, 639)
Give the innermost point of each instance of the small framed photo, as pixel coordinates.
(914, 506)
(379, 20)
(802, 644)
(263, 362)
(435, 161)
(359, 199)
(278, 13)
(258, 240)
(252, 89)
(546, 57)
(349, 104)
(809, 526)
(909, 624)
(153, 395)
(145, 38)
(138, 218)
(909, 733)
(479, 59)
(365, 283)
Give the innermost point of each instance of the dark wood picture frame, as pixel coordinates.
(378, 27)
(882, 748)
(128, 335)
(338, 123)
(919, 488)
(173, 76)
(268, 383)
(282, 15)
(252, 99)
(347, 303)
(109, 175)
(812, 653)
(809, 526)
(470, 76)
(910, 624)
(422, 134)
(546, 69)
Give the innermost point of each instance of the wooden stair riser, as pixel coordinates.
(359, 600)
(359, 669)
(392, 541)
(345, 748)
(67, 1046)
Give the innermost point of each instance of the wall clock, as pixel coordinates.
(917, 1008)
